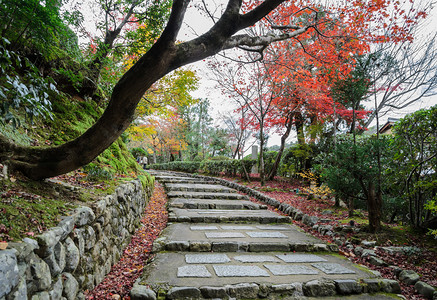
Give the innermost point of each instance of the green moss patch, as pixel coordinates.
(118, 160)
(29, 208)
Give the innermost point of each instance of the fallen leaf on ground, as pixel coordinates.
(3, 245)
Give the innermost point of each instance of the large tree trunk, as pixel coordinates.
(374, 205)
(299, 122)
(164, 57)
(281, 148)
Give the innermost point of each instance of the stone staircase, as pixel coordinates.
(220, 245)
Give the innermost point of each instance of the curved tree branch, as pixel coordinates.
(163, 57)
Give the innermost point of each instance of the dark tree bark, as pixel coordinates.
(284, 137)
(164, 57)
(299, 122)
(374, 204)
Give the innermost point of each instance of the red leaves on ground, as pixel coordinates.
(284, 192)
(79, 178)
(130, 266)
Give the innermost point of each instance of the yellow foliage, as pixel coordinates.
(318, 190)
(313, 189)
(169, 93)
(306, 174)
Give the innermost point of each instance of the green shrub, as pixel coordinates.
(413, 171)
(97, 173)
(22, 86)
(269, 160)
(220, 157)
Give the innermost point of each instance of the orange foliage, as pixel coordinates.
(301, 71)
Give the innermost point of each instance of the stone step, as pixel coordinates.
(251, 237)
(166, 178)
(206, 195)
(214, 204)
(198, 187)
(185, 180)
(225, 215)
(261, 275)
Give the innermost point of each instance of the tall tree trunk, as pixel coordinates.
(378, 159)
(261, 155)
(281, 148)
(299, 122)
(374, 203)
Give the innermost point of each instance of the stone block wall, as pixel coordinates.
(66, 260)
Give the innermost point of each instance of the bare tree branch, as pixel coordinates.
(404, 74)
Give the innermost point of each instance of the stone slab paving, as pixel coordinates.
(202, 232)
(332, 268)
(168, 178)
(251, 258)
(214, 204)
(193, 271)
(224, 215)
(240, 271)
(206, 258)
(300, 258)
(206, 195)
(281, 269)
(224, 268)
(224, 235)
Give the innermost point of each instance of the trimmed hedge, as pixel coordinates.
(231, 167)
(182, 166)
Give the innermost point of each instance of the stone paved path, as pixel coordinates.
(219, 245)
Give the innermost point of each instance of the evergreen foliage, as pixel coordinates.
(230, 167)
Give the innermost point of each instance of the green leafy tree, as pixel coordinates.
(414, 169)
(129, 27)
(351, 170)
(353, 90)
(198, 121)
(38, 30)
(219, 142)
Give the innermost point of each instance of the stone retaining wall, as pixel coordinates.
(75, 256)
